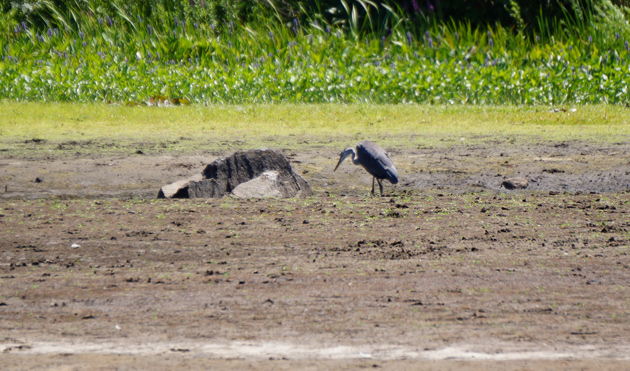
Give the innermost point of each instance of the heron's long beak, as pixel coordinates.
(342, 157)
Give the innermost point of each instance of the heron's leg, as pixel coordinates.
(373, 185)
(380, 186)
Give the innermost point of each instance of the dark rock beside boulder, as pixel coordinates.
(206, 188)
(254, 173)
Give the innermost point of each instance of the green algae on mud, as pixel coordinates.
(189, 129)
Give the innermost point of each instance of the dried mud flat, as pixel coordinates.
(448, 271)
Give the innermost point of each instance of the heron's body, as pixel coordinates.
(374, 160)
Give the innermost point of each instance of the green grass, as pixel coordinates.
(200, 128)
(127, 60)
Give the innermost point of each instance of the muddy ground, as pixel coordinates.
(447, 271)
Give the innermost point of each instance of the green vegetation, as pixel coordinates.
(89, 52)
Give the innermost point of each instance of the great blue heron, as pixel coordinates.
(374, 160)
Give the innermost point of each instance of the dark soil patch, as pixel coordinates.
(92, 263)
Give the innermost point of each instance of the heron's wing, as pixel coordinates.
(376, 161)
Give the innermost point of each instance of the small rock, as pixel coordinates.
(75, 246)
(179, 188)
(515, 183)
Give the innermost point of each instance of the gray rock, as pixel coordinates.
(244, 166)
(246, 174)
(515, 183)
(264, 185)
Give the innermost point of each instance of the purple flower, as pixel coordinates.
(491, 43)
(196, 25)
(409, 40)
(627, 46)
(415, 6)
(139, 19)
(109, 21)
(590, 39)
(617, 35)
(24, 26)
(327, 29)
(50, 32)
(430, 42)
(81, 35)
(537, 39)
(212, 26)
(382, 41)
(175, 33)
(100, 21)
(176, 21)
(427, 35)
(150, 30)
(415, 54)
(230, 44)
(456, 36)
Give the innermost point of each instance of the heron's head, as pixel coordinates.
(343, 155)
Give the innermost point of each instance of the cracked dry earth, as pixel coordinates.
(447, 271)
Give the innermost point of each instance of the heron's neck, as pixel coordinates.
(355, 159)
